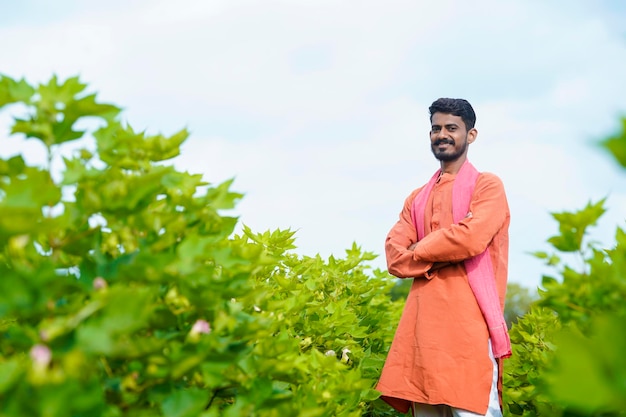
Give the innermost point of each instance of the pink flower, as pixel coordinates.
(99, 283)
(41, 355)
(201, 327)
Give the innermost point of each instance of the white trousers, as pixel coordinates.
(428, 410)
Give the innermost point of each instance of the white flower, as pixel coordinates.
(344, 355)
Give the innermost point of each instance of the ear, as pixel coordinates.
(471, 135)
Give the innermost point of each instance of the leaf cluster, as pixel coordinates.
(126, 292)
(569, 350)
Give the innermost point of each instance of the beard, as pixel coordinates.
(448, 157)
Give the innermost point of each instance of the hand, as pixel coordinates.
(412, 246)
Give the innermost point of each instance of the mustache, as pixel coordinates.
(443, 141)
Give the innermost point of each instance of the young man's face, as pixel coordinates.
(449, 137)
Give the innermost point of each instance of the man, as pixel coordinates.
(452, 239)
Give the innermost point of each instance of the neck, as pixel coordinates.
(453, 167)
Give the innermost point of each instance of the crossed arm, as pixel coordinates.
(407, 258)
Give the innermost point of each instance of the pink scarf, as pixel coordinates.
(479, 268)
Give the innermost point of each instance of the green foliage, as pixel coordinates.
(518, 302)
(532, 339)
(589, 372)
(568, 353)
(401, 289)
(616, 145)
(572, 226)
(597, 285)
(125, 291)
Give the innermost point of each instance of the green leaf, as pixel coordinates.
(185, 403)
(573, 226)
(33, 128)
(122, 146)
(548, 281)
(10, 372)
(25, 197)
(57, 108)
(53, 92)
(183, 184)
(12, 166)
(88, 107)
(590, 373)
(221, 197)
(32, 191)
(125, 310)
(12, 91)
(616, 145)
(370, 395)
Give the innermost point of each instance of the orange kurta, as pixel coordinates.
(439, 354)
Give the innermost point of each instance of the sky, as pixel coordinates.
(319, 109)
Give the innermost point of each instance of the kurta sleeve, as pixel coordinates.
(471, 236)
(400, 260)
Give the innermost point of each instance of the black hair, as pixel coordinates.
(455, 106)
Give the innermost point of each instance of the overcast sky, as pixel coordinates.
(319, 108)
